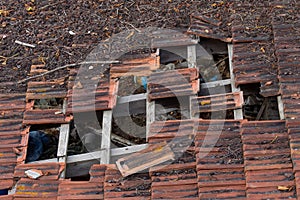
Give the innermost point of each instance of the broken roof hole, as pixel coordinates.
(129, 130)
(227, 114)
(172, 108)
(51, 103)
(129, 85)
(257, 107)
(43, 142)
(81, 178)
(85, 133)
(215, 66)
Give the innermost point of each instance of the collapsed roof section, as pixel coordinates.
(208, 159)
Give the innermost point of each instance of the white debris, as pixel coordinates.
(72, 33)
(34, 173)
(24, 44)
(58, 112)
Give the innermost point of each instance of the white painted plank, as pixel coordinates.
(238, 113)
(192, 56)
(150, 117)
(97, 154)
(63, 140)
(127, 150)
(63, 145)
(131, 98)
(230, 55)
(280, 107)
(216, 83)
(106, 133)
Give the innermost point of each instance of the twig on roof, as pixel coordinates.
(25, 44)
(138, 30)
(66, 66)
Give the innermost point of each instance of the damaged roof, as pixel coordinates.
(249, 160)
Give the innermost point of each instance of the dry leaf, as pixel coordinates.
(278, 6)
(78, 85)
(285, 188)
(207, 102)
(158, 149)
(5, 13)
(268, 83)
(130, 35)
(295, 96)
(176, 10)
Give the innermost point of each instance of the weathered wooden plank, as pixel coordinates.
(150, 110)
(106, 133)
(216, 83)
(191, 56)
(238, 113)
(280, 107)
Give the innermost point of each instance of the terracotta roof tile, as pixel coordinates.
(133, 187)
(12, 106)
(45, 90)
(97, 173)
(51, 171)
(267, 159)
(51, 116)
(219, 161)
(27, 188)
(136, 67)
(87, 97)
(229, 101)
(255, 62)
(80, 190)
(181, 82)
(177, 181)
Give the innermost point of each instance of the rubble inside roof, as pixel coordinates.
(43, 142)
(257, 107)
(51, 103)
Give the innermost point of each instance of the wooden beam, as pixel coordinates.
(150, 116)
(238, 113)
(106, 133)
(63, 142)
(280, 107)
(132, 98)
(79, 165)
(63, 145)
(192, 56)
(128, 150)
(216, 83)
(192, 63)
(262, 109)
(230, 55)
(85, 157)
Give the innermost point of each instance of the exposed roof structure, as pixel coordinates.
(191, 158)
